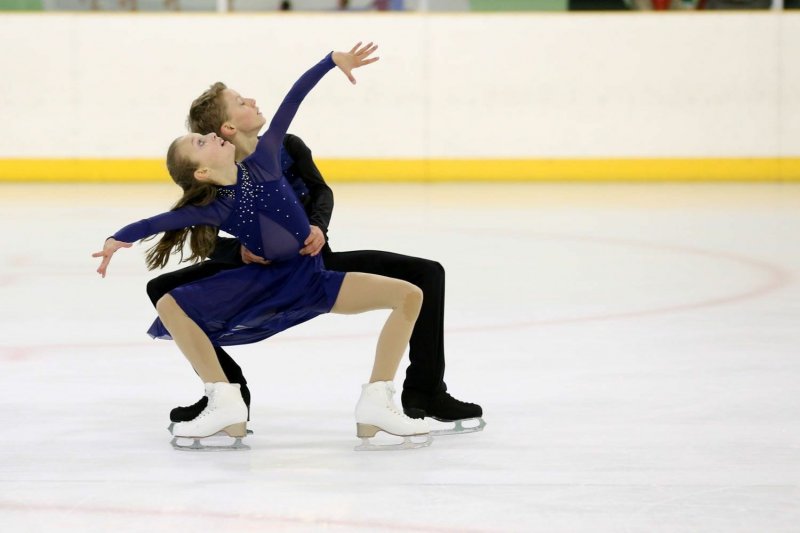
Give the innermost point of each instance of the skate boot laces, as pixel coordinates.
(390, 401)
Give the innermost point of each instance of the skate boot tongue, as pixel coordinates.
(388, 392)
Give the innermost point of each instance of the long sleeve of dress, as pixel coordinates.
(267, 153)
(212, 214)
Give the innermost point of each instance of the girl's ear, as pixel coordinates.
(201, 174)
(228, 130)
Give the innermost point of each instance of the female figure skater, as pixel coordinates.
(253, 201)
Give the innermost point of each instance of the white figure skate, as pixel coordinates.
(376, 411)
(225, 415)
(199, 410)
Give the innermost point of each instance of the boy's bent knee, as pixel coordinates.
(156, 290)
(437, 269)
(432, 271)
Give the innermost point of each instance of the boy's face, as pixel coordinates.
(242, 112)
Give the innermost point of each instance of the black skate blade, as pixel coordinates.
(458, 426)
(220, 442)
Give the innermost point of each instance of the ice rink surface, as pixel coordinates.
(636, 350)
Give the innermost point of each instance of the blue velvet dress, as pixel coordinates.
(251, 303)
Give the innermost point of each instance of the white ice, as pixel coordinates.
(636, 350)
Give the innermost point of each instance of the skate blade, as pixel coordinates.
(172, 426)
(205, 444)
(410, 442)
(459, 427)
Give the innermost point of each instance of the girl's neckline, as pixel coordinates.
(241, 170)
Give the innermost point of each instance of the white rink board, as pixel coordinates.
(447, 86)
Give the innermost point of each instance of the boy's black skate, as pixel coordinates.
(189, 412)
(444, 408)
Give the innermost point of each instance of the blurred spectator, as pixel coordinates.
(133, 5)
(597, 5)
(662, 5)
(380, 5)
(738, 4)
(791, 4)
(286, 5)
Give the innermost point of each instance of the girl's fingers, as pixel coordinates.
(353, 50)
(364, 49)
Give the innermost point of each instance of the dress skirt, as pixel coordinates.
(251, 303)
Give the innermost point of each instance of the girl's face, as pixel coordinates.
(243, 113)
(208, 151)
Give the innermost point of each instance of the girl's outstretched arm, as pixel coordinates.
(109, 247)
(267, 152)
(189, 215)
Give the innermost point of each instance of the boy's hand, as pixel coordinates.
(355, 58)
(109, 247)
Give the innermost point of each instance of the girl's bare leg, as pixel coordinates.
(191, 340)
(225, 411)
(367, 292)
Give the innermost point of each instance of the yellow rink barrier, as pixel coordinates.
(437, 170)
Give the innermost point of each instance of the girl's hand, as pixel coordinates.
(314, 242)
(249, 257)
(355, 58)
(109, 247)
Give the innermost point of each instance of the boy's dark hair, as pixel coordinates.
(207, 112)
